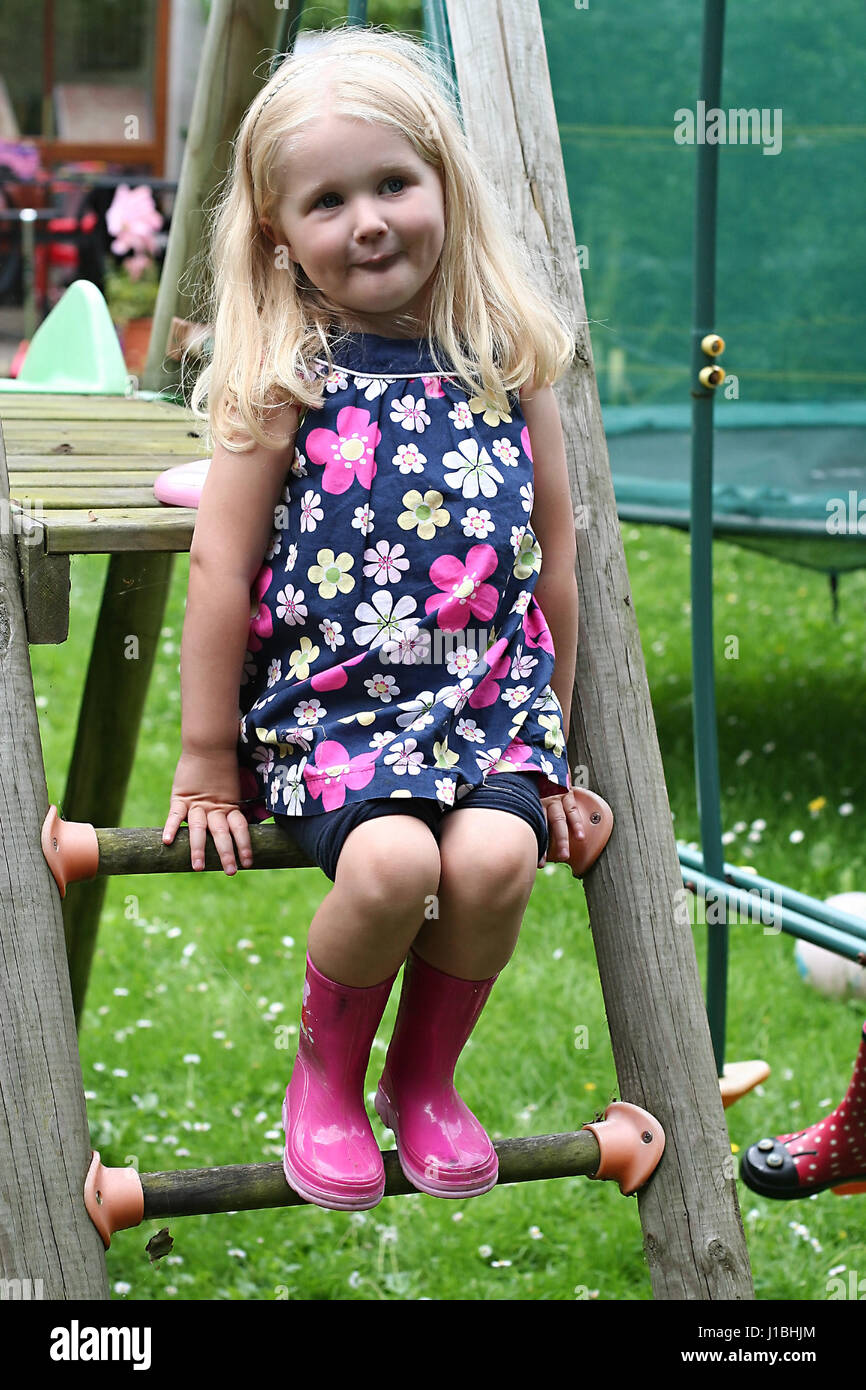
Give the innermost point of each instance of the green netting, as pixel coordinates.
(791, 227)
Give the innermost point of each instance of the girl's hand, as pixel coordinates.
(565, 828)
(206, 794)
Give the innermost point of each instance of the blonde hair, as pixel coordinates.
(495, 328)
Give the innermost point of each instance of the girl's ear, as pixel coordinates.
(266, 227)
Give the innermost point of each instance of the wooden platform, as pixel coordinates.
(81, 474)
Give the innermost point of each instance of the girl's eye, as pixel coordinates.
(326, 195)
(395, 178)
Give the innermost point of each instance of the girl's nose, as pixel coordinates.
(368, 219)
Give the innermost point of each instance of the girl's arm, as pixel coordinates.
(552, 522)
(233, 526)
(556, 591)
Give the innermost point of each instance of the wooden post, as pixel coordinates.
(693, 1233)
(45, 1232)
(240, 38)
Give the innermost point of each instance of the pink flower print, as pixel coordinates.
(524, 441)
(432, 387)
(334, 771)
(535, 629)
(518, 756)
(261, 619)
(487, 691)
(463, 592)
(334, 678)
(348, 454)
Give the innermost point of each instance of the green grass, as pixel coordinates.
(210, 968)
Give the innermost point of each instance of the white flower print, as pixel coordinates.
(309, 712)
(410, 649)
(265, 759)
(403, 757)
(291, 558)
(411, 413)
(299, 464)
(522, 665)
(455, 696)
(311, 512)
(409, 459)
(473, 470)
(382, 688)
(462, 660)
(417, 712)
(363, 519)
(275, 546)
(274, 671)
(527, 497)
(468, 729)
(290, 788)
(445, 788)
(477, 523)
(507, 453)
(521, 603)
(386, 564)
(372, 386)
(384, 736)
(383, 619)
(461, 416)
(487, 761)
(290, 605)
(332, 633)
(517, 695)
(337, 380)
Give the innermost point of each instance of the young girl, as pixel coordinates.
(379, 389)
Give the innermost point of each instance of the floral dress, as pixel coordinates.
(395, 648)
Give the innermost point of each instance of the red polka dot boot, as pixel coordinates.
(830, 1153)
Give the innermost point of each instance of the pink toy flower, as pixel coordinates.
(133, 220)
(348, 454)
(334, 771)
(463, 592)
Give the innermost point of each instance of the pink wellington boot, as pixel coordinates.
(443, 1150)
(331, 1156)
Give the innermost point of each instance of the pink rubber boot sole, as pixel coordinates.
(472, 1182)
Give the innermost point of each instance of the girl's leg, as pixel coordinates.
(489, 861)
(357, 942)
(387, 872)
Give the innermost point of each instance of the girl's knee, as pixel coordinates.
(490, 868)
(389, 865)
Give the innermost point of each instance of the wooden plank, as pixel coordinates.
(21, 466)
(129, 625)
(65, 436)
(46, 1235)
(113, 532)
(693, 1235)
(95, 495)
(35, 485)
(45, 588)
(75, 407)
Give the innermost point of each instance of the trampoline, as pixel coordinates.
(688, 239)
(785, 246)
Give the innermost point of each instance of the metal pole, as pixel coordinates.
(703, 676)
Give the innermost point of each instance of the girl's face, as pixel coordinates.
(364, 216)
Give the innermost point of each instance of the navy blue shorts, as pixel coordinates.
(321, 837)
